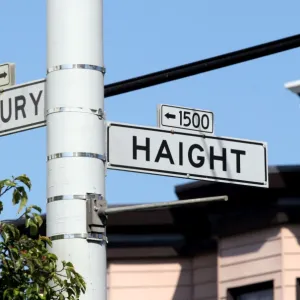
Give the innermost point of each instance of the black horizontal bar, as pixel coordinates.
(202, 66)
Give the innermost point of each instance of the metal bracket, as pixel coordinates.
(77, 154)
(90, 237)
(77, 66)
(66, 197)
(98, 112)
(73, 197)
(96, 216)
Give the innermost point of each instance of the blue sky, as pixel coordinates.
(248, 100)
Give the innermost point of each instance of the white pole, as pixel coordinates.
(76, 135)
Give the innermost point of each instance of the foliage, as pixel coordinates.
(27, 269)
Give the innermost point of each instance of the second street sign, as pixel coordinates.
(177, 117)
(22, 107)
(179, 154)
(7, 75)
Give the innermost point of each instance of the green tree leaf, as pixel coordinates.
(37, 208)
(16, 197)
(24, 179)
(28, 269)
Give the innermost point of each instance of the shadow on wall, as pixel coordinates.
(253, 257)
(291, 237)
(243, 260)
(183, 288)
(204, 277)
(250, 245)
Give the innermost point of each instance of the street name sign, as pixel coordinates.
(197, 120)
(22, 107)
(7, 75)
(180, 154)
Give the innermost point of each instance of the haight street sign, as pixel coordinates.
(158, 151)
(22, 107)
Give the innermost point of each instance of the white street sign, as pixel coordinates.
(170, 116)
(7, 75)
(180, 154)
(22, 107)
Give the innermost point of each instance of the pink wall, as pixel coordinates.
(270, 254)
(204, 275)
(161, 278)
(248, 259)
(291, 260)
(167, 279)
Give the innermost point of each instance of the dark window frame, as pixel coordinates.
(234, 293)
(298, 288)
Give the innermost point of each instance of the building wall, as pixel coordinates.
(205, 277)
(148, 279)
(291, 260)
(267, 255)
(250, 258)
(256, 257)
(161, 278)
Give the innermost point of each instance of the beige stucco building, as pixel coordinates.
(247, 248)
(266, 262)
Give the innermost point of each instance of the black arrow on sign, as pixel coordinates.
(170, 116)
(3, 75)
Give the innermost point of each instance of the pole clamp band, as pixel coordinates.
(98, 112)
(77, 66)
(98, 237)
(74, 197)
(77, 154)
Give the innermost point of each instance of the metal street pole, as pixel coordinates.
(76, 138)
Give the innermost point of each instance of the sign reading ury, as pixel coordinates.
(22, 107)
